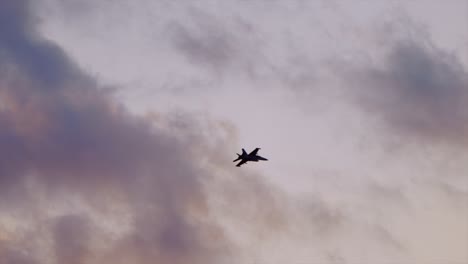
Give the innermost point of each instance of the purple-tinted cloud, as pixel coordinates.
(420, 91)
(57, 127)
(70, 154)
(95, 184)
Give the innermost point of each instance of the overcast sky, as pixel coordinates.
(119, 121)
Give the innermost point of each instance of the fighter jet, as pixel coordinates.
(252, 156)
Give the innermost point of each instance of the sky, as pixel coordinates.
(119, 121)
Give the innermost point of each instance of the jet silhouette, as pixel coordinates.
(252, 156)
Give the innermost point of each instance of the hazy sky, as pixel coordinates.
(119, 121)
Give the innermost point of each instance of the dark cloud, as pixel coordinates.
(59, 129)
(220, 44)
(65, 143)
(145, 193)
(209, 46)
(204, 41)
(420, 90)
(326, 220)
(22, 48)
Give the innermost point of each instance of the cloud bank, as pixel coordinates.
(419, 90)
(84, 181)
(68, 147)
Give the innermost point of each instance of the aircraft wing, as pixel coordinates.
(254, 152)
(241, 162)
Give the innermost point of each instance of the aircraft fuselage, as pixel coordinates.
(252, 156)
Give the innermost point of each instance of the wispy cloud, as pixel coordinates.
(84, 181)
(420, 90)
(59, 132)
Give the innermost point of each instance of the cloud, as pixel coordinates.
(226, 47)
(60, 132)
(412, 93)
(84, 181)
(420, 91)
(71, 239)
(207, 44)
(21, 46)
(10, 256)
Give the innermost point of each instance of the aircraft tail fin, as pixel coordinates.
(238, 158)
(244, 152)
